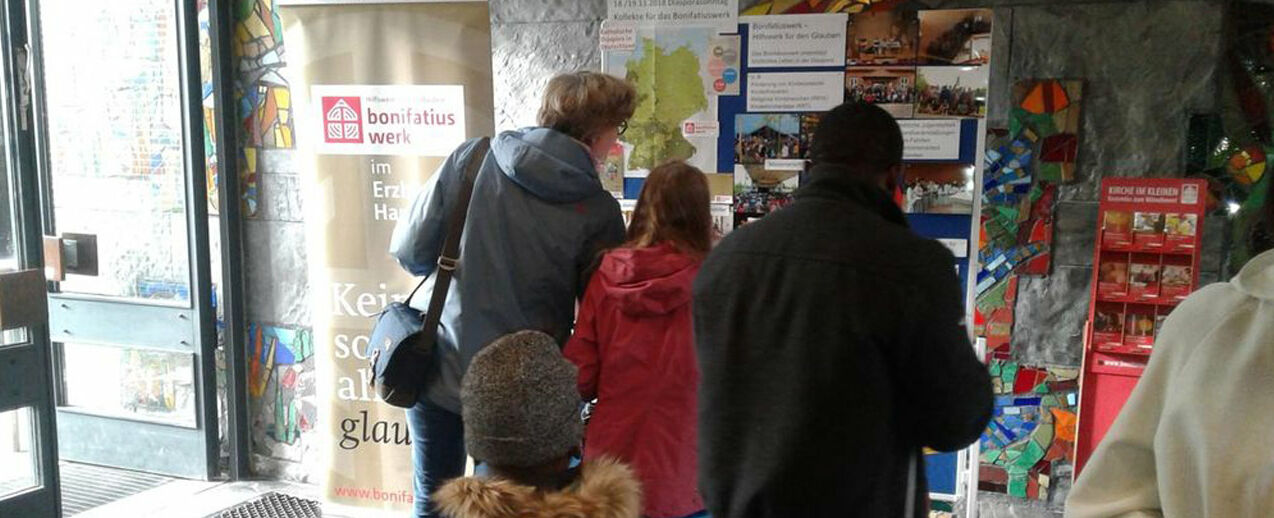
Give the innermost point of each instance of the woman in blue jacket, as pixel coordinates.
(537, 221)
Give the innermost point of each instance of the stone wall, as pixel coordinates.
(1140, 90)
(533, 39)
(281, 403)
(1137, 103)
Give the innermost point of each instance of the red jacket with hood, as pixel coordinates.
(634, 347)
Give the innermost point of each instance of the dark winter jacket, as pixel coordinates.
(538, 218)
(635, 352)
(832, 349)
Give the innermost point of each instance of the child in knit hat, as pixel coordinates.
(520, 407)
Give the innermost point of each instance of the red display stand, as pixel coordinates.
(1146, 261)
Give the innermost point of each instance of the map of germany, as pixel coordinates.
(669, 90)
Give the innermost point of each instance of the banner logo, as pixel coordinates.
(342, 120)
(409, 120)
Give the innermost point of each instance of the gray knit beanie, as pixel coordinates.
(520, 402)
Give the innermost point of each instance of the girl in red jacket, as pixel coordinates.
(633, 343)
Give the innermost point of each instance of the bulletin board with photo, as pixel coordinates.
(886, 63)
(932, 65)
(766, 151)
(926, 64)
(922, 66)
(917, 65)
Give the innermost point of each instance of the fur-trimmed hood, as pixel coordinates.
(605, 489)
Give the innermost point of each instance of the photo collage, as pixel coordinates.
(925, 64)
(770, 150)
(915, 64)
(1145, 266)
(1129, 328)
(1149, 231)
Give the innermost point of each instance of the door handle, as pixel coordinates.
(70, 253)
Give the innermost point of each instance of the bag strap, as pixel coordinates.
(449, 259)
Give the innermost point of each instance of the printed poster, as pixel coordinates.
(673, 69)
(722, 15)
(378, 110)
(797, 40)
(795, 91)
(928, 139)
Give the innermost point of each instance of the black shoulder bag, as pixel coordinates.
(403, 343)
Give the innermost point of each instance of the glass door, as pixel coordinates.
(28, 460)
(120, 142)
(28, 438)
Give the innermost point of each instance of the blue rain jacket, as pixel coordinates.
(537, 222)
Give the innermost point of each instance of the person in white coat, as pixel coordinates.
(1194, 438)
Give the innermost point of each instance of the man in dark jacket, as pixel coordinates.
(832, 345)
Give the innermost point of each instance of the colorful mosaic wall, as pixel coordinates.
(281, 381)
(1019, 191)
(1021, 176)
(1017, 215)
(1237, 183)
(261, 94)
(1031, 438)
(1032, 435)
(1230, 148)
(1047, 114)
(996, 313)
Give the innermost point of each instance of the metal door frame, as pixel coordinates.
(33, 385)
(120, 441)
(233, 315)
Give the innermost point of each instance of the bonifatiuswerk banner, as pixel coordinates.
(384, 92)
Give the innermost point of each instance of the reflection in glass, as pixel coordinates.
(8, 240)
(131, 382)
(8, 227)
(112, 87)
(19, 470)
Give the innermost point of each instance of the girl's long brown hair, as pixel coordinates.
(673, 208)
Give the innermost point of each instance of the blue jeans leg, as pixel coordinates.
(437, 442)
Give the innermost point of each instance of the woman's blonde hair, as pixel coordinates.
(580, 104)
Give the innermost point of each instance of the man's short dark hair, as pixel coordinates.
(860, 136)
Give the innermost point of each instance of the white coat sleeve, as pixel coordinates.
(1120, 479)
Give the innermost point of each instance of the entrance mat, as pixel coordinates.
(85, 486)
(273, 505)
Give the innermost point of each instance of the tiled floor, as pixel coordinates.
(194, 499)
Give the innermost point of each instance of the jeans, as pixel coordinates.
(437, 442)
